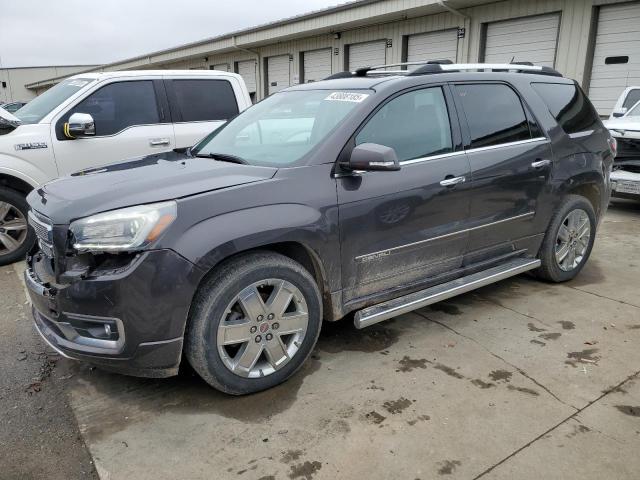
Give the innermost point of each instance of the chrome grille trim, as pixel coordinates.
(43, 231)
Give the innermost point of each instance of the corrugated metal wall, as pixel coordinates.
(573, 56)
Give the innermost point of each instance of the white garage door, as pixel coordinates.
(433, 46)
(528, 39)
(316, 64)
(278, 75)
(616, 58)
(247, 70)
(223, 67)
(367, 54)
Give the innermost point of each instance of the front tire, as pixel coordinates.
(16, 238)
(568, 241)
(253, 323)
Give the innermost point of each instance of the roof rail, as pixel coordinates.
(443, 66)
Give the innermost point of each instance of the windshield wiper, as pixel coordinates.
(223, 157)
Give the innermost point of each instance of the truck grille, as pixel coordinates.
(43, 228)
(628, 148)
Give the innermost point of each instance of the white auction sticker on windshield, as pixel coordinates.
(78, 83)
(347, 97)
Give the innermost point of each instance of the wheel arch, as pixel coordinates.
(20, 184)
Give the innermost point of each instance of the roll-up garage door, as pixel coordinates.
(223, 67)
(433, 46)
(247, 70)
(278, 74)
(527, 39)
(367, 54)
(616, 57)
(316, 65)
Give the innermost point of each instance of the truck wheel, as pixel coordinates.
(16, 238)
(568, 241)
(253, 323)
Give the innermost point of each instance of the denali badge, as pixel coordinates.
(30, 146)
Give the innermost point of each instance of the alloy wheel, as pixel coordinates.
(572, 240)
(262, 328)
(13, 228)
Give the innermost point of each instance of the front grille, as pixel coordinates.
(43, 228)
(628, 147)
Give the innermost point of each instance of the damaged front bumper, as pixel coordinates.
(130, 319)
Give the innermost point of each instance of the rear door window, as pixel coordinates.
(494, 114)
(415, 124)
(569, 106)
(201, 100)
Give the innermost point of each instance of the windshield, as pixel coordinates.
(282, 129)
(635, 111)
(39, 107)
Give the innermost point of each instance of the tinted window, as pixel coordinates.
(120, 105)
(633, 97)
(201, 100)
(569, 106)
(494, 114)
(415, 124)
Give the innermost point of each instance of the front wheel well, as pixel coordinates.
(15, 184)
(299, 253)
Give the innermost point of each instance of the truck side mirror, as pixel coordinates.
(374, 157)
(80, 125)
(620, 112)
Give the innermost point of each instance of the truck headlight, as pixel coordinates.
(126, 229)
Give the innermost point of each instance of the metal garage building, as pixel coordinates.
(597, 42)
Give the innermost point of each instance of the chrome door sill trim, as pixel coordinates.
(398, 306)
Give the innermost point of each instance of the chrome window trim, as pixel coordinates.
(446, 235)
(473, 150)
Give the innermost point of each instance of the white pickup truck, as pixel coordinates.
(92, 119)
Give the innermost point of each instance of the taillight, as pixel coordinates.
(613, 146)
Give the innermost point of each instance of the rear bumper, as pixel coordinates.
(131, 321)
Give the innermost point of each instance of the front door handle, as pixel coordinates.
(450, 182)
(541, 163)
(159, 142)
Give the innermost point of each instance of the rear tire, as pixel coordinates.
(16, 238)
(253, 323)
(568, 241)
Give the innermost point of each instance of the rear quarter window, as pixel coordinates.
(569, 106)
(204, 100)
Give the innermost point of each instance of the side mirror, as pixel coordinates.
(80, 125)
(620, 112)
(374, 157)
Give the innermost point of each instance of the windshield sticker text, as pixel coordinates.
(347, 97)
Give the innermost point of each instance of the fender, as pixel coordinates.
(28, 172)
(256, 227)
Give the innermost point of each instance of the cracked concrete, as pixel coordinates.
(521, 379)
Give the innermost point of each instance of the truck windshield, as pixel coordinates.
(39, 107)
(634, 111)
(282, 129)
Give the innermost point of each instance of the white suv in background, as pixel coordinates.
(91, 119)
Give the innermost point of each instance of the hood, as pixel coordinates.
(623, 123)
(8, 120)
(155, 178)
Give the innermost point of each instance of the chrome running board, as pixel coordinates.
(398, 306)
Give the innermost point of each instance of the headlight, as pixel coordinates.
(127, 229)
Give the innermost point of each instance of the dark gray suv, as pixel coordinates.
(373, 193)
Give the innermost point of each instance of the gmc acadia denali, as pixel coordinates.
(92, 119)
(374, 192)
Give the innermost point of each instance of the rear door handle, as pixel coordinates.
(158, 142)
(450, 182)
(541, 163)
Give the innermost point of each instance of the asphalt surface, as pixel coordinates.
(521, 379)
(39, 436)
